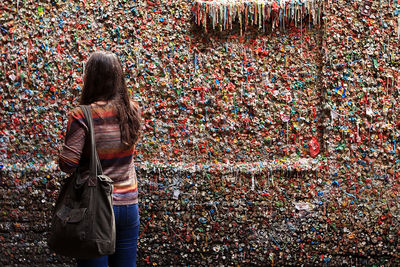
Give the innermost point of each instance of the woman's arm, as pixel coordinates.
(74, 141)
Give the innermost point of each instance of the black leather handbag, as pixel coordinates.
(83, 224)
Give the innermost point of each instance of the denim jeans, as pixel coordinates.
(127, 232)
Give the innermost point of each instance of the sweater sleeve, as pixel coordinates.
(74, 141)
(138, 111)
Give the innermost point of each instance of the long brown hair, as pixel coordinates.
(104, 81)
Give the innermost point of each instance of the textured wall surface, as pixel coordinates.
(276, 146)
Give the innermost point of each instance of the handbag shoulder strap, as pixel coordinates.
(94, 165)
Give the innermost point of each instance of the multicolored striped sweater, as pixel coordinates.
(116, 160)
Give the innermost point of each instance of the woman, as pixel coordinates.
(117, 126)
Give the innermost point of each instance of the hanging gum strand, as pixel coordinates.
(257, 13)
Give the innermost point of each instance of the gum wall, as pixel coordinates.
(271, 128)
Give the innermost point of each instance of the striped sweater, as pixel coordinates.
(116, 160)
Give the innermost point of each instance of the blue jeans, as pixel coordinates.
(127, 232)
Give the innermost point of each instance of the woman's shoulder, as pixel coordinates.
(76, 117)
(76, 113)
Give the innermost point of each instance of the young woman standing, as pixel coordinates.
(117, 127)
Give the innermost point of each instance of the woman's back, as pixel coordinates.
(117, 159)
